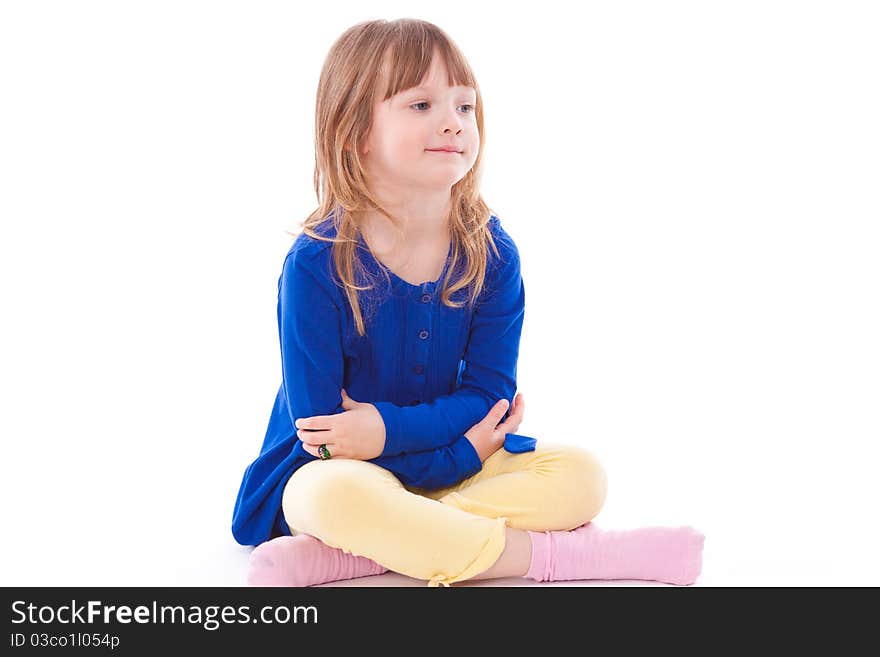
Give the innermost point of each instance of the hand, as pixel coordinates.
(487, 436)
(358, 433)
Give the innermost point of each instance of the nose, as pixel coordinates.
(451, 121)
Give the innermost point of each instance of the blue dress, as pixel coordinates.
(431, 371)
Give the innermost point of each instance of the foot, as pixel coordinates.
(303, 560)
(666, 554)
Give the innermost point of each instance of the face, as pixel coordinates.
(406, 126)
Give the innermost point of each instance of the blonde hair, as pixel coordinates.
(400, 52)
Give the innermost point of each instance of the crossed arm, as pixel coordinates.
(424, 445)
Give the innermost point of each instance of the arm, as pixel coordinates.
(311, 364)
(432, 470)
(490, 372)
(310, 333)
(436, 468)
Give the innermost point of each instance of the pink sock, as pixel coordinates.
(303, 560)
(666, 554)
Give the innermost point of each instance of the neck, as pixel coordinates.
(421, 223)
(422, 212)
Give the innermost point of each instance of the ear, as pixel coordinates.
(347, 147)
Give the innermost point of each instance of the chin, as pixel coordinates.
(435, 183)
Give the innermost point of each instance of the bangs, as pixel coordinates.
(408, 60)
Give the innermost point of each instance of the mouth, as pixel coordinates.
(441, 150)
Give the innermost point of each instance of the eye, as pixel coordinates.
(426, 102)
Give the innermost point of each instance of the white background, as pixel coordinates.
(693, 187)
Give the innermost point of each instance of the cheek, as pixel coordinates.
(404, 144)
(412, 140)
(408, 132)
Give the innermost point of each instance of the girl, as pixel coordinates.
(425, 475)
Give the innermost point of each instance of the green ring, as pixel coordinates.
(323, 452)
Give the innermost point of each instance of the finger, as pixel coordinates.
(510, 425)
(315, 437)
(315, 422)
(519, 405)
(515, 417)
(313, 449)
(498, 411)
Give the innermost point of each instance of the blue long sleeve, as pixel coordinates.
(436, 468)
(489, 374)
(309, 333)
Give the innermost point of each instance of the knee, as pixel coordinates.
(330, 496)
(584, 483)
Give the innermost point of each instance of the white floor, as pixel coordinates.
(826, 555)
(129, 528)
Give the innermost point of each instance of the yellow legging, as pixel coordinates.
(449, 534)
